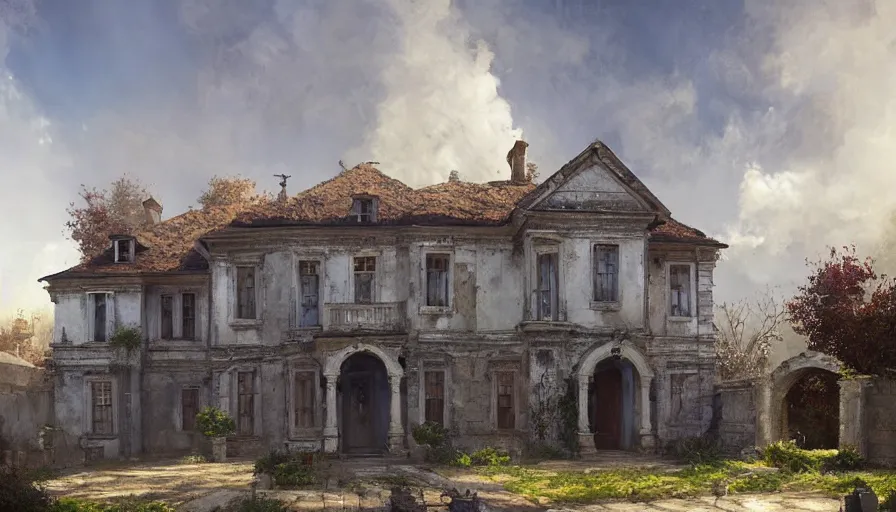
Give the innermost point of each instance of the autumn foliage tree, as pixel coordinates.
(118, 210)
(848, 311)
(228, 191)
(27, 338)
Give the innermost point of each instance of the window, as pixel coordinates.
(188, 316)
(363, 209)
(606, 273)
(101, 304)
(246, 403)
(167, 328)
(189, 407)
(506, 414)
(304, 399)
(101, 402)
(547, 286)
(434, 382)
(123, 250)
(245, 299)
(680, 290)
(365, 274)
(437, 279)
(309, 290)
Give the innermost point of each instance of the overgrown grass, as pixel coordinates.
(799, 471)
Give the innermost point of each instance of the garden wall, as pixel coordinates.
(735, 415)
(26, 405)
(869, 407)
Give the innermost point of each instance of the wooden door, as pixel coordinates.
(357, 415)
(607, 419)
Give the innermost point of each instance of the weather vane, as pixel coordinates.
(283, 178)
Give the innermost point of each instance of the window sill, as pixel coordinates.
(682, 319)
(101, 437)
(605, 306)
(245, 325)
(436, 310)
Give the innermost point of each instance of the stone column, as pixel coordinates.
(586, 437)
(647, 440)
(396, 430)
(852, 414)
(764, 416)
(331, 431)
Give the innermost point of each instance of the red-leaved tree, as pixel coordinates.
(117, 211)
(848, 311)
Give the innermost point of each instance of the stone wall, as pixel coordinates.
(870, 405)
(26, 405)
(734, 415)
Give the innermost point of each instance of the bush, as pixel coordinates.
(127, 338)
(193, 459)
(787, 455)
(19, 492)
(846, 459)
(261, 505)
(431, 434)
(214, 422)
(128, 505)
(888, 502)
(695, 450)
(294, 474)
(269, 462)
(461, 460)
(490, 457)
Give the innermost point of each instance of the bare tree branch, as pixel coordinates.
(746, 330)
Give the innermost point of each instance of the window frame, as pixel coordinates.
(183, 317)
(424, 394)
(358, 203)
(425, 307)
(496, 394)
(178, 319)
(299, 307)
(234, 320)
(130, 253)
(295, 431)
(254, 395)
(109, 315)
(597, 302)
(692, 293)
(88, 417)
(554, 290)
(199, 404)
(162, 334)
(374, 295)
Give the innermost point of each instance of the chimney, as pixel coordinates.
(516, 157)
(453, 176)
(153, 211)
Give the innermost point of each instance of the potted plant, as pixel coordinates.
(216, 425)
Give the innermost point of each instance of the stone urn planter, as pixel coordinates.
(216, 425)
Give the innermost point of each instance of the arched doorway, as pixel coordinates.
(364, 393)
(811, 410)
(803, 402)
(611, 405)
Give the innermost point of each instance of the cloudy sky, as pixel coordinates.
(769, 124)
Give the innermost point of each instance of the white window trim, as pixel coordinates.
(537, 251)
(295, 432)
(436, 310)
(179, 412)
(235, 321)
(375, 299)
(110, 315)
(87, 426)
(177, 314)
(132, 249)
(297, 287)
(607, 305)
(374, 208)
(446, 379)
(235, 399)
(692, 295)
(493, 375)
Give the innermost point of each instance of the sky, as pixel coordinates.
(770, 125)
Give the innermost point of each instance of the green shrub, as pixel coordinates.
(490, 457)
(193, 459)
(294, 474)
(431, 434)
(267, 463)
(214, 422)
(461, 460)
(888, 501)
(787, 455)
(846, 459)
(261, 505)
(128, 338)
(20, 492)
(695, 450)
(128, 505)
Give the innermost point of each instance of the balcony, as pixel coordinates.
(380, 316)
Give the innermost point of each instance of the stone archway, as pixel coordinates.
(641, 407)
(333, 366)
(772, 413)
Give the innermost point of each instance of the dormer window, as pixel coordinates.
(364, 209)
(124, 250)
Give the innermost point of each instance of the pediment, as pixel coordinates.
(594, 181)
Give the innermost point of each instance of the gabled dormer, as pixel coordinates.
(364, 208)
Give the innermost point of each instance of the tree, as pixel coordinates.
(746, 331)
(117, 211)
(228, 191)
(24, 338)
(531, 171)
(848, 311)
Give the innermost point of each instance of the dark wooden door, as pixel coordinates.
(607, 419)
(358, 404)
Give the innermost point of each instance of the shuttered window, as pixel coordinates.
(434, 383)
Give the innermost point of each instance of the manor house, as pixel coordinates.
(340, 318)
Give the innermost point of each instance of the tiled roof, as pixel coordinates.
(171, 242)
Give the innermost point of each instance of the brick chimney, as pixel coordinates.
(516, 157)
(153, 211)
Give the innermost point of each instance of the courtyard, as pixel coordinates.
(611, 481)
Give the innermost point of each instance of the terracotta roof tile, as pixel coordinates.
(171, 242)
